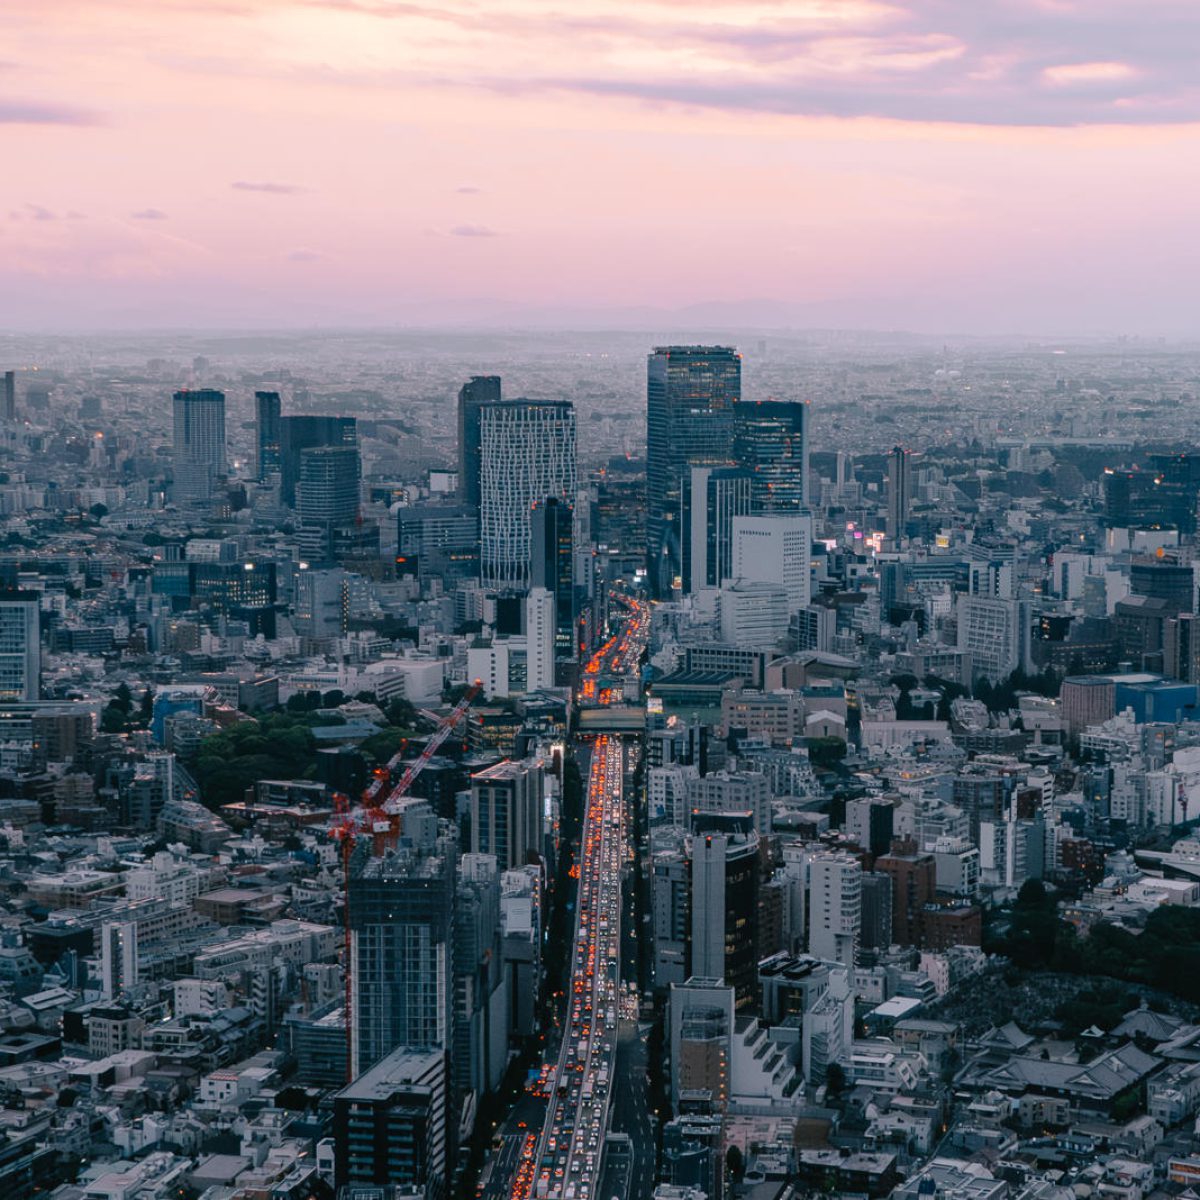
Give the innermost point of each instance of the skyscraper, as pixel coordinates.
(528, 449)
(266, 432)
(20, 646)
(713, 498)
(724, 854)
(401, 911)
(775, 547)
(199, 443)
(552, 566)
(472, 396)
(297, 434)
(771, 442)
(899, 492)
(10, 395)
(326, 497)
(690, 395)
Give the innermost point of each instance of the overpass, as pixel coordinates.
(612, 718)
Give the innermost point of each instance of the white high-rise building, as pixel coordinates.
(539, 639)
(20, 646)
(834, 907)
(528, 456)
(118, 957)
(775, 548)
(753, 616)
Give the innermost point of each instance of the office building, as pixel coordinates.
(914, 884)
(701, 1015)
(327, 499)
(714, 497)
(10, 395)
(390, 1127)
(528, 449)
(539, 639)
(690, 395)
(199, 443)
(552, 566)
(507, 807)
(775, 548)
(724, 853)
(20, 646)
(118, 957)
(834, 907)
(472, 396)
(899, 492)
(300, 433)
(771, 442)
(875, 926)
(267, 409)
(1165, 578)
(401, 908)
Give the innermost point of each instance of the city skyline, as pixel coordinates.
(800, 165)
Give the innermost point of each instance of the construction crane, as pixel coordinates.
(380, 822)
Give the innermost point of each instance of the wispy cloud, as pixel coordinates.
(1007, 62)
(32, 112)
(302, 255)
(468, 190)
(149, 214)
(473, 231)
(273, 189)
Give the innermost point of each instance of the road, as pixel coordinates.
(564, 1161)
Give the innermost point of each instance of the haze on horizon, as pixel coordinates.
(1007, 165)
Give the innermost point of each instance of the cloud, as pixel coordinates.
(472, 231)
(274, 189)
(38, 213)
(302, 255)
(1073, 74)
(32, 112)
(149, 214)
(1004, 62)
(468, 190)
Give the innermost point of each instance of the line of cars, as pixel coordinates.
(577, 1118)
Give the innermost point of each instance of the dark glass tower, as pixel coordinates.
(771, 442)
(267, 415)
(552, 566)
(297, 434)
(472, 396)
(691, 392)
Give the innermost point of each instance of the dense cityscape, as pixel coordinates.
(570, 767)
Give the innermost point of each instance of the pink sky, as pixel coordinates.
(976, 165)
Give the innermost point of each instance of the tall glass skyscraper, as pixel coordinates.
(401, 911)
(300, 433)
(472, 396)
(552, 566)
(771, 442)
(199, 443)
(327, 497)
(266, 430)
(528, 449)
(691, 392)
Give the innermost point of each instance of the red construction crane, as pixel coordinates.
(380, 822)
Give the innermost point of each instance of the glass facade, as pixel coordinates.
(691, 392)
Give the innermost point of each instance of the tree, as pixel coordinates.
(826, 751)
(146, 707)
(123, 699)
(735, 1164)
(113, 720)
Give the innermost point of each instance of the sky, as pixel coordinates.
(974, 166)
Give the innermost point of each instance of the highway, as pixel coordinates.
(566, 1162)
